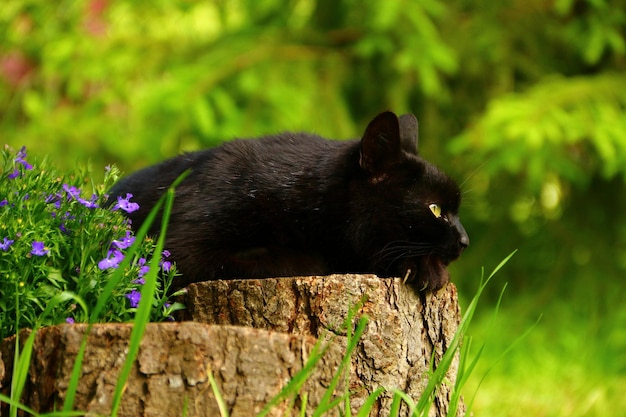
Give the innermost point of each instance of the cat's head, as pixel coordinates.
(415, 205)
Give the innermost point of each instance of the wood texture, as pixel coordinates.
(171, 371)
(406, 328)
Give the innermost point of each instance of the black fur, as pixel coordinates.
(297, 204)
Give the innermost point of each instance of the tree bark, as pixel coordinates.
(254, 336)
(170, 374)
(406, 328)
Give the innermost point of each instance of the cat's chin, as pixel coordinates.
(428, 273)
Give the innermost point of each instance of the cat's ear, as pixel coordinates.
(380, 145)
(409, 133)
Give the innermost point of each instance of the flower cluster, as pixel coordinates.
(21, 162)
(54, 239)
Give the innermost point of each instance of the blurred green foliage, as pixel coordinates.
(523, 101)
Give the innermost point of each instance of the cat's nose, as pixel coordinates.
(463, 240)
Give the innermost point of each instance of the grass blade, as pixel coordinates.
(438, 375)
(22, 359)
(395, 406)
(325, 403)
(365, 409)
(15, 404)
(221, 404)
(20, 369)
(408, 400)
(295, 384)
(512, 346)
(142, 316)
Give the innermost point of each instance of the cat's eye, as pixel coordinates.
(435, 209)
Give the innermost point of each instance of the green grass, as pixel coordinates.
(572, 364)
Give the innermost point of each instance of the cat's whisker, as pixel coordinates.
(396, 243)
(393, 257)
(406, 246)
(478, 168)
(396, 251)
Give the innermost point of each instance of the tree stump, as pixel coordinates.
(171, 371)
(406, 328)
(253, 336)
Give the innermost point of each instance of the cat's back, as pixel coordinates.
(284, 149)
(269, 162)
(276, 162)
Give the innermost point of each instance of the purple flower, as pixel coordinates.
(55, 199)
(38, 249)
(4, 202)
(125, 204)
(143, 271)
(134, 296)
(143, 268)
(69, 320)
(72, 192)
(113, 260)
(91, 203)
(66, 216)
(6, 242)
(166, 265)
(20, 158)
(124, 242)
(139, 281)
(64, 229)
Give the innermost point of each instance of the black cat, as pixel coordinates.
(296, 204)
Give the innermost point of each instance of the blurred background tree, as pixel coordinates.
(524, 102)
